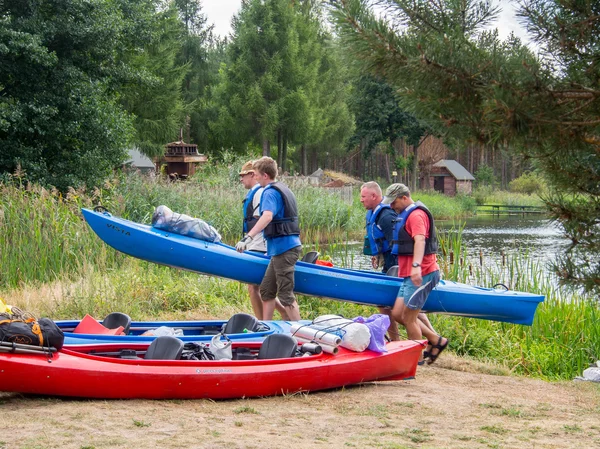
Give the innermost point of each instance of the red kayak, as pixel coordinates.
(97, 371)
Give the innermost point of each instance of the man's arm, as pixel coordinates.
(418, 254)
(263, 221)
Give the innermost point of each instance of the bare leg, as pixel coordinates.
(393, 329)
(268, 309)
(255, 301)
(425, 319)
(415, 328)
(293, 311)
(282, 310)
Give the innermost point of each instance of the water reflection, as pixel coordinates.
(492, 236)
(484, 237)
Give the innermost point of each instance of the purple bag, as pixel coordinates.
(378, 325)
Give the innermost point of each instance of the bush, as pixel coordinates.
(481, 194)
(529, 183)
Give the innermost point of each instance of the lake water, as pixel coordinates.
(487, 238)
(491, 236)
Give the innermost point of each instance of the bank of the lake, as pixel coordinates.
(53, 265)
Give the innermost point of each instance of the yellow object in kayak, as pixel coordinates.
(4, 308)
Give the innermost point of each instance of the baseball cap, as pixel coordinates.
(395, 191)
(248, 167)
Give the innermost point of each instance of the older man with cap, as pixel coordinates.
(415, 243)
(258, 244)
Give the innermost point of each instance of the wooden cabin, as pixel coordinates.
(449, 177)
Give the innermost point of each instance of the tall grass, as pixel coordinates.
(43, 237)
(487, 195)
(564, 338)
(443, 207)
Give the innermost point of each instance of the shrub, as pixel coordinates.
(528, 183)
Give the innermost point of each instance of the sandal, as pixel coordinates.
(433, 357)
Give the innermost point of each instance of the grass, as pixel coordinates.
(488, 196)
(564, 338)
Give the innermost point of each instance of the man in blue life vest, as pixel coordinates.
(415, 243)
(380, 229)
(379, 226)
(279, 221)
(250, 210)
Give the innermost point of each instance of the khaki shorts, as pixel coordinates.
(279, 277)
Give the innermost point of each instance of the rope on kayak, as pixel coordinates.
(323, 330)
(17, 314)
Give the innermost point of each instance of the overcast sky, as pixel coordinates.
(220, 12)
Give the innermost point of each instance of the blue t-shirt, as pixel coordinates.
(271, 200)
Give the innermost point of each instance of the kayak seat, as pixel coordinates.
(393, 271)
(278, 346)
(116, 319)
(240, 321)
(310, 257)
(165, 347)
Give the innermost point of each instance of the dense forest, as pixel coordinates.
(331, 84)
(82, 81)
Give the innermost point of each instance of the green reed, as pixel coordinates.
(43, 236)
(564, 338)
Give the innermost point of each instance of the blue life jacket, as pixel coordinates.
(288, 225)
(403, 244)
(248, 209)
(375, 234)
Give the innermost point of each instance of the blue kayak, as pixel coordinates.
(363, 287)
(196, 331)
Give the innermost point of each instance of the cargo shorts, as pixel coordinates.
(415, 297)
(278, 281)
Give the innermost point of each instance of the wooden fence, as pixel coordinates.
(507, 209)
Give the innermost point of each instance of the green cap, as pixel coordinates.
(395, 191)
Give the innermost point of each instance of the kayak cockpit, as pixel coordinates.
(173, 350)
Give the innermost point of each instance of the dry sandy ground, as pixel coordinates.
(451, 404)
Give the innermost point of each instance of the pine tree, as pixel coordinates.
(155, 98)
(474, 87)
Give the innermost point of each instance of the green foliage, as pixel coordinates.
(34, 220)
(481, 195)
(60, 120)
(155, 99)
(44, 238)
(82, 81)
(261, 78)
(379, 115)
(484, 176)
(487, 195)
(202, 54)
(528, 183)
(563, 339)
(331, 121)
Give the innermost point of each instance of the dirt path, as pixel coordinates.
(443, 407)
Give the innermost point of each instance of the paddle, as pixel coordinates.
(18, 348)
